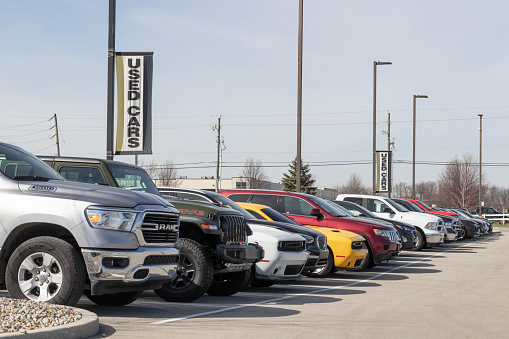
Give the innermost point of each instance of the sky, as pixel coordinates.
(238, 60)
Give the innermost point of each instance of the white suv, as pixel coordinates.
(429, 227)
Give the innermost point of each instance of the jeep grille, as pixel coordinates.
(234, 228)
(394, 236)
(160, 227)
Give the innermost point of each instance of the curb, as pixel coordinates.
(86, 327)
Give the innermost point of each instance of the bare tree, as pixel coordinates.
(458, 184)
(427, 191)
(150, 167)
(354, 185)
(167, 175)
(402, 190)
(254, 173)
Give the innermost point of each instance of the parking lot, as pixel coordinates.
(454, 290)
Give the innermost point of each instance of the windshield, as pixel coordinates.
(133, 178)
(426, 206)
(227, 202)
(416, 207)
(330, 207)
(20, 165)
(276, 216)
(468, 214)
(396, 205)
(357, 210)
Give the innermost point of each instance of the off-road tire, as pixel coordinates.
(194, 274)
(225, 284)
(323, 271)
(51, 263)
(115, 299)
(421, 241)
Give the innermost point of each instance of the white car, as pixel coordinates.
(285, 255)
(430, 228)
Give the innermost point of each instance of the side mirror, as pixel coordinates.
(315, 212)
(388, 210)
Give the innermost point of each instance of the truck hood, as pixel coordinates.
(94, 194)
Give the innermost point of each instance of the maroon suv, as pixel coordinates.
(382, 238)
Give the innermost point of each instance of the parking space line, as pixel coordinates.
(191, 316)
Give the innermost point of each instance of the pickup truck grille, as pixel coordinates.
(160, 228)
(292, 246)
(234, 228)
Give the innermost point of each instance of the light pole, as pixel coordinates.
(413, 157)
(480, 164)
(375, 63)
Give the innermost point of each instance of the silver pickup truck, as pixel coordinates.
(60, 239)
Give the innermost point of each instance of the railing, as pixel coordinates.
(502, 218)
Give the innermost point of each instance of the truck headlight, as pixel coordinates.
(110, 219)
(431, 226)
(382, 233)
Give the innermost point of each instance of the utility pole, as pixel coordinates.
(218, 127)
(110, 115)
(56, 134)
(298, 166)
(480, 164)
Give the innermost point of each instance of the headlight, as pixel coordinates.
(322, 242)
(431, 226)
(382, 233)
(309, 239)
(110, 219)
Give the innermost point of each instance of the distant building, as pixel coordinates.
(209, 183)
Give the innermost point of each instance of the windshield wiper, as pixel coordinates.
(30, 178)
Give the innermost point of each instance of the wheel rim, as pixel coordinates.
(186, 272)
(40, 276)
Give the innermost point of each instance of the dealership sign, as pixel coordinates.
(383, 171)
(134, 108)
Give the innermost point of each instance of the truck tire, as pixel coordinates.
(115, 299)
(225, 284)
(46, 269)
(194, 274)
(421, 241)
(322, 272)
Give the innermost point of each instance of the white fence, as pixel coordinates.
(502, 218)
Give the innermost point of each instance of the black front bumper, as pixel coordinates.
(238, 253)
(317, 259)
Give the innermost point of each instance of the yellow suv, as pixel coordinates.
(347, 250)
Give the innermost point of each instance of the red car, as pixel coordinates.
(381, 237)
(428, 209)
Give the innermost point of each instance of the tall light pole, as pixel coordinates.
(413, 157)
(375, 63)
(299, 102)
(480, 164)
(110, 114)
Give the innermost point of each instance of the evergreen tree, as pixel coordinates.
(289, 180)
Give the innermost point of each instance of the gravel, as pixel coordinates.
(21, 315)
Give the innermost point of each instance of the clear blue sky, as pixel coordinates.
(238, 60)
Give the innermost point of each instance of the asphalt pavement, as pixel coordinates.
(456, 290)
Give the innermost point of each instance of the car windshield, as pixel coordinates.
(357, 210)
(426, 206)
(133, 178)
(227, 202)
(416, 207)
(330, 207)
(468, 214)
(396, 205)
(276, 216)
(20, 165)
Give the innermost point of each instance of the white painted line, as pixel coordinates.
(191, 316)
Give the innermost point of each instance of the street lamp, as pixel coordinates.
(480, 163)
(413, 158)
(375, 63)
(298, 165)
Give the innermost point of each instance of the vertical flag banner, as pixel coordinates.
(383, 172)
(134, 108)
